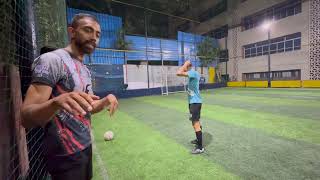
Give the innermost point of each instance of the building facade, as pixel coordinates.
(293, 44)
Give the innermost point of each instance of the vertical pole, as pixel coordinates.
(269, 66)
(32, 25)
(126, 66)
(162, 72)
(146, 37)
(182, 55)
(226, 48)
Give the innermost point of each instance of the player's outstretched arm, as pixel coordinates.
(38, 108)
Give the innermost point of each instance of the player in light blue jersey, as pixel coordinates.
(195, 102)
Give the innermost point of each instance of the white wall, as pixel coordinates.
(136, 76)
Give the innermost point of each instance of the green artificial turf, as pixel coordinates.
(248, 134)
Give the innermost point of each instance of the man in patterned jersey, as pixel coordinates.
(60, 99)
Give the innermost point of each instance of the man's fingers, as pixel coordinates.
(83, 101)
(116, 106)
(86, 96)
(89, 97)
(66, 107)
(113, 108)
(94, 97)
(76, 107)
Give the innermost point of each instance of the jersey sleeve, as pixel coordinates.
(47, 69)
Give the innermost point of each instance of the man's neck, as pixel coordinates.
(74, 52)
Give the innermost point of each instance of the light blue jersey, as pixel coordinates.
(193, 87)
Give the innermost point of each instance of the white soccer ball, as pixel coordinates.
(108, 136)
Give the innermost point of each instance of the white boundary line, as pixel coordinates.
(101, 165)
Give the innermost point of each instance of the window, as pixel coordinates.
(219, 33)
(214, 11)
(265, 50)
(297, 44)
(259, 76)
(286, 74)
(297, 8)
(289, 45)
(296, 74)
(283, 13)
(259, 51)
(277, 14)
(268, 14)
(256, 75)
(277, 45)
(253, 52)
(264, 75)
(280, 47)
(282, 10)
(290, 11)
(224, 55)
(273, 48)
(275, 75)
(225, 77)
(247, 53)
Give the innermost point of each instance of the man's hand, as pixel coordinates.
(113, 104)
(110, 101)
(76, 103)
(182, 71)
(38, 108)
(187, 63)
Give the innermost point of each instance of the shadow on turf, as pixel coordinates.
(207, 138)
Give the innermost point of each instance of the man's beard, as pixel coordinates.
(85, 47)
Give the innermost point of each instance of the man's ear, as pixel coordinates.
(71, 32)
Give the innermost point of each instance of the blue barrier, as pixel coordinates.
(158, 49)
(105, 57)
(110, 25)
(106, 77)
(188, 44)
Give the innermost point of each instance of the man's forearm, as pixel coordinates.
(99, 105)
(38, 114)
(182, 70)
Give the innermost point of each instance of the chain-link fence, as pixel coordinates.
(22, 23)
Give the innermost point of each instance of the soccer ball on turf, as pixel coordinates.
(108, 136)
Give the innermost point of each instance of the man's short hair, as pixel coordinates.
(78, 17)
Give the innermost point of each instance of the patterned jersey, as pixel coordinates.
(64, 134)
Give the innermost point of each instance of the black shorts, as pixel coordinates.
(77, 166)
(195, 111)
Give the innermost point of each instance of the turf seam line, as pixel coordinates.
(103, 169)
